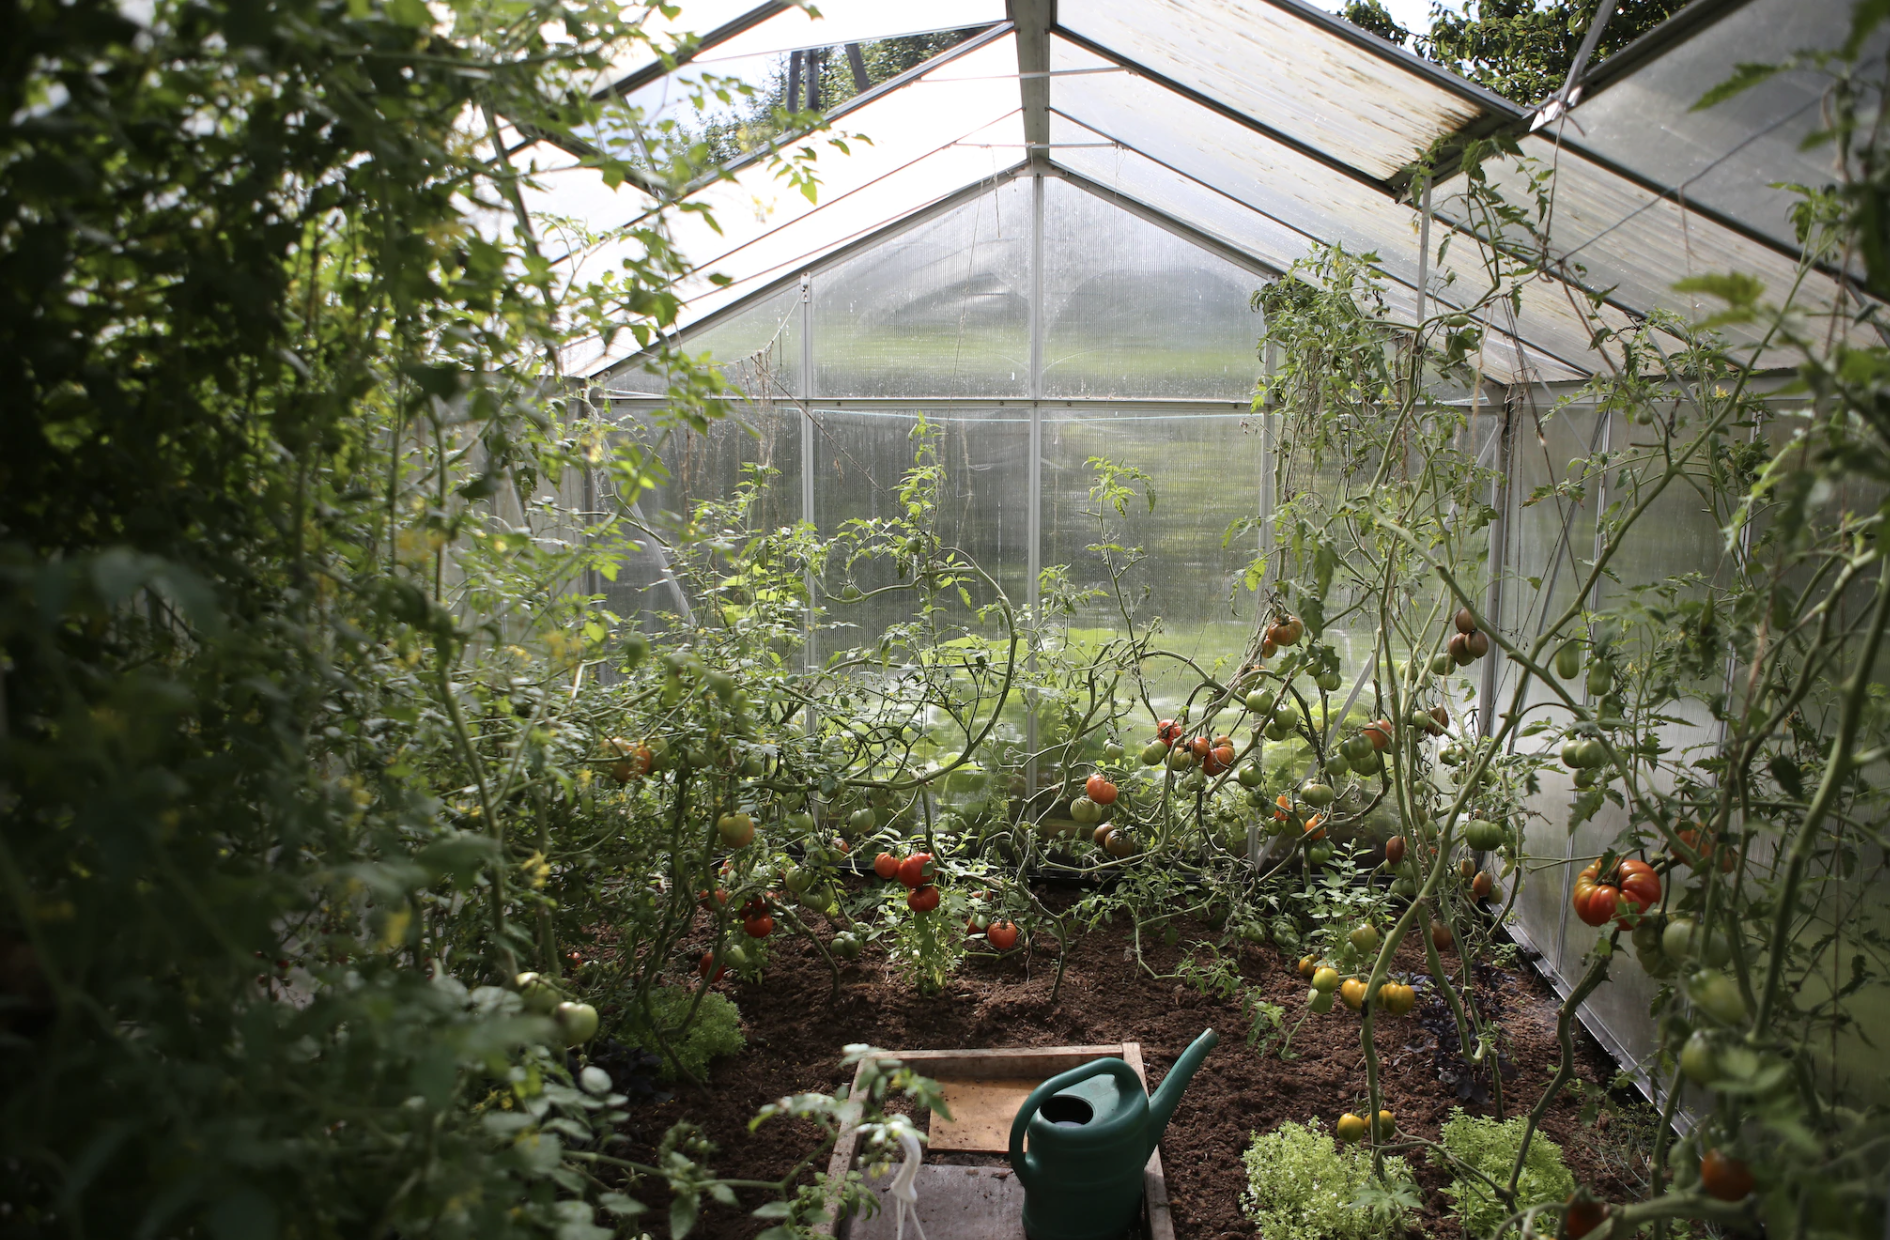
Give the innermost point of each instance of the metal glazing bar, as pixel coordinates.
(1034, 537)
(809, 449)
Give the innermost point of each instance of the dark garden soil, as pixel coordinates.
(796, 1028)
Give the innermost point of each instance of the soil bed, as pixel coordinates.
(796, 1033)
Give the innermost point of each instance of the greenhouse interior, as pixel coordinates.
(768, 619)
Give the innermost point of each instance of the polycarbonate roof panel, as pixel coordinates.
(1727, 157)
(1275, 65)
(692, 21)
(855, 21)
(1217, 151)
(1141, 180)
(1545, 316)
(1292, 193)
(1639, 244)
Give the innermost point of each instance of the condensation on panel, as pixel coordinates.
(942, 309)
(1132, 310)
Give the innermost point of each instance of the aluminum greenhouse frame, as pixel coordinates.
(1248, 131)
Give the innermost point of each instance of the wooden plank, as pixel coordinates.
(955, 1203)
(982, 1110)
(1161, 1220)
(1032, 1064)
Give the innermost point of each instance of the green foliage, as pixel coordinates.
(1516, 48)
(1490, 1148)
(1301, 1185)
(696, 1032)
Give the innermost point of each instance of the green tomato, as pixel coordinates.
(1112, 751)
(1085, 810)
(1318, 795)
(1441, 664)
(1260, 702)
(1600, 677)
(1368, 763)
(540, 993)
(577, 1022)
(1337, 767)
(1718, 996)
(636, 648)
(1568, 660)
(862, 820)
(1698, 1060)
(734, 956)
(1319, 854)
(1320, 1001)
(1329, 681)
(798, 880)
(1193, 781)
(1364, 939)
(1250, 775)
(1153, 753)
(1286, 715)
(1254, 932)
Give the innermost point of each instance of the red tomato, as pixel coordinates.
(923, 899)
(917, 870)
(720, 899)
(1725, 1178)
(703, 965)
(1583, 1217)
(886, 866)
(1218, 759)
(1168, 731)
(1379, 734)
(1394, 851)
(1599, 904)
(1200, 745)
(1099, 789)
(1002, 935)
(759, 927)
(1482, 885)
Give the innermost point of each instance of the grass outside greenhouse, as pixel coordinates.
(513, 720)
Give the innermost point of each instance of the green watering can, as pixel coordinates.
(1091, 1132)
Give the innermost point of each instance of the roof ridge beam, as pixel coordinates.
(1033, 20)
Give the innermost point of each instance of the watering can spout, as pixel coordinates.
(1161, 1106)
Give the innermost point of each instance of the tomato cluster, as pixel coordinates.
(1598, 899)
(915, 873)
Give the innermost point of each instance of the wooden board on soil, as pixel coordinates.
(984, 1089)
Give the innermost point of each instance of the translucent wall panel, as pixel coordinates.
(942, 309)
(757, 349)
(1551, 539)
(701, 465)
(1132, 310)
(1374, 112)
(859, 459)
(1206, 470)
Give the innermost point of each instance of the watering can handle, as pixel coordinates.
(1021, 1162)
